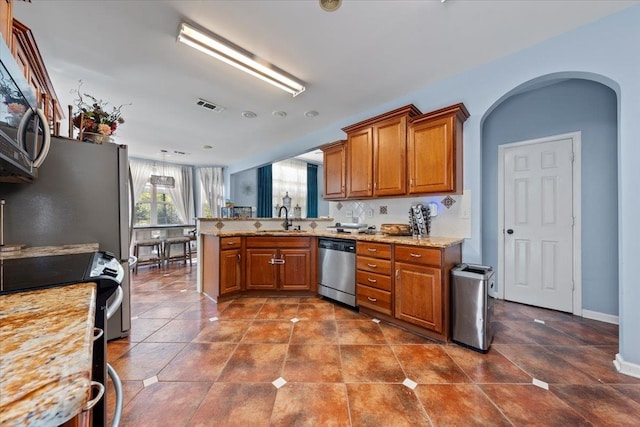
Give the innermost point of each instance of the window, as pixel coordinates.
(290, 176)
(155, 207)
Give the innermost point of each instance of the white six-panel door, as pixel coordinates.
(538, 224)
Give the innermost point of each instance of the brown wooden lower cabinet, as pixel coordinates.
(418, 296)
(230, 271)
(261, 271)
(222, 265)
(415, 295)
(280, 263)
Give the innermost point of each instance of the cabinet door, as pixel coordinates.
(334, 172)
(360, 161)
(390, 157)
(230, 271)
(431, 157)
(418, 296)
(260, 269)
(295, 273)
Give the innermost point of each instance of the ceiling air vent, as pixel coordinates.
(210, 105)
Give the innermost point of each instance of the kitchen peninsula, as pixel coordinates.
(245, 261)
(45, 355)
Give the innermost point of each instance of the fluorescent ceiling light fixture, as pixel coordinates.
(225, 51)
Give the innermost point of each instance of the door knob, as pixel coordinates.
(509, 231)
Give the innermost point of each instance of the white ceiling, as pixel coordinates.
(363, 55)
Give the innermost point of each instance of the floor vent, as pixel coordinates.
(210, 106)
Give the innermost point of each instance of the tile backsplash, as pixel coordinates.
(454, 221)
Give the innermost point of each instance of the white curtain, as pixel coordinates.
(182, 193)
(140, 172)
(290, 176)
(211, 190)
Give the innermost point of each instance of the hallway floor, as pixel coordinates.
(308, 362)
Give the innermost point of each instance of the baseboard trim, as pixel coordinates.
(627, 368)
(602, 317)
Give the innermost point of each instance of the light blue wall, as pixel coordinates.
(238, 193)
(568, 106)
(605, 51)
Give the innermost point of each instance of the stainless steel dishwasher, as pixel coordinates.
(337, 270)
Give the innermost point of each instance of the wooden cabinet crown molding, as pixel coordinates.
(25, 43)
(409, 110)
(458, 110)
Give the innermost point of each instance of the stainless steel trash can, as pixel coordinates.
(471, 306)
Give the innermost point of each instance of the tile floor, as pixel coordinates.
(307, 362)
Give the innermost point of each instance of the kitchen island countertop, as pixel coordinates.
(437, 242)
(50, 251)
(46, 346)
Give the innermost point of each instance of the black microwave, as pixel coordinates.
(24, 132)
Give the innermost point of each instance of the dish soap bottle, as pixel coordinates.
(297, 212)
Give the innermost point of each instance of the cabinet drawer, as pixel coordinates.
(377, 250)
(418, 255)
(374, 265)
(278, 242)
(374, 280)
(230, 243)
(374, 299)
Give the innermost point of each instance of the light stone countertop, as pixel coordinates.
(436, 242)
(50, 250)
(46, 345)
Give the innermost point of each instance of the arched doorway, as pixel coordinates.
(554, 105)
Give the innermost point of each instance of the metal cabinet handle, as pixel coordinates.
(276, 261)
(97, 333)
(372, 265)
(238, 256)
(90, 404)
(372, 299)
(230, 243)
(416, 255)
(509, 231)
(372, 280)
(372, 249)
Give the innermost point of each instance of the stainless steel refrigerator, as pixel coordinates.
(81, 195)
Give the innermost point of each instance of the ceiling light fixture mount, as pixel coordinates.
(225, 51)
(330, 5)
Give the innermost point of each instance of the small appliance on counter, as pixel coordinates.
(348, 227)
(420, 220)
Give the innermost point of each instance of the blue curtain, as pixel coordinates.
(265, 190)
(312, 191)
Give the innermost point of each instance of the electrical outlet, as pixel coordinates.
(348, 214)
(370, 213)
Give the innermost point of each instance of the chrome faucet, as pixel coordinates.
(287, 222)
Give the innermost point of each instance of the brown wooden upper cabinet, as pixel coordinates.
(435, 151)
(376, 154)
(335, 168)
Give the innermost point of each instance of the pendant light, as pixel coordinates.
(163, 180)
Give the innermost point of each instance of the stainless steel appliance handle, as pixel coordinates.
(46, 135)
(117, 386)
(113, 307)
